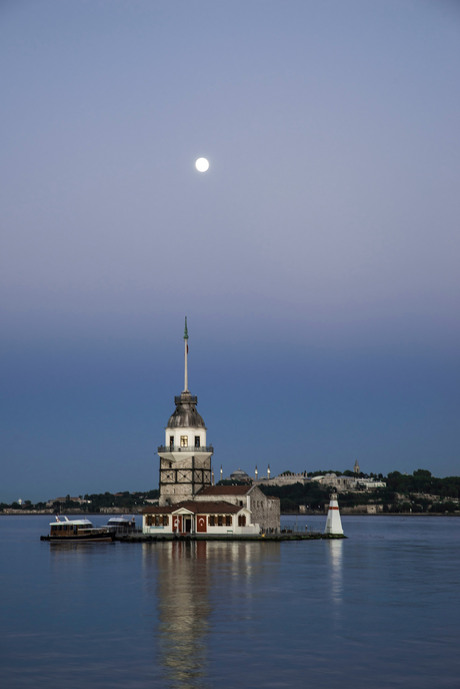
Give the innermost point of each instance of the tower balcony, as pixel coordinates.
(190, 449)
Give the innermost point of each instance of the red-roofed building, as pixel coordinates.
(265, 510)
(193, 517)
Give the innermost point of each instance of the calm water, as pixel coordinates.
(379, 609)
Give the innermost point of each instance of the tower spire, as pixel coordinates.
(185, 356)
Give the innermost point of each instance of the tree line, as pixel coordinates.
(419, 492)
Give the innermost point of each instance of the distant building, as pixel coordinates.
(346, 483)
(370, 483)
(240, 476)
(61, 501)
(286, 479)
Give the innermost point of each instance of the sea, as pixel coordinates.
(380, 608)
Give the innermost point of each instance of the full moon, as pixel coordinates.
(202, 164)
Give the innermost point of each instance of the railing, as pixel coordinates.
(187, 448)
(190, 399)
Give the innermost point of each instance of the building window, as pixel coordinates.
(212, 520)
(184, 441)
(228, 520)
(171, 441)
(157, 520)
(220, 520)
(197, 441)
(242, 520)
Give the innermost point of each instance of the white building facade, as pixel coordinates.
(215, 518)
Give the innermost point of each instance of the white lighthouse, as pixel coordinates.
(333, 522)
(185, 459)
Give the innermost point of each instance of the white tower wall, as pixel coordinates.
(333, 522)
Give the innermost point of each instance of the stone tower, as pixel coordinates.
(185, 459)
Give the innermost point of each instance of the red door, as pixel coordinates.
(177, 523)
(201, 525)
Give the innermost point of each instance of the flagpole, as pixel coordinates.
(185, 356)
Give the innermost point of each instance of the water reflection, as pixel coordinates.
(335, 548)
(189, 580)
(183, 611)
(77, 553)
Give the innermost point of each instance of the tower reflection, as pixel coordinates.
(189, 581)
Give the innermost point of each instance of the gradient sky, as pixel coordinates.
(317, 260)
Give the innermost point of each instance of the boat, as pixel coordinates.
(121, 524)
(65, 530)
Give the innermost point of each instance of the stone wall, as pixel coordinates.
(182, 479)
(265, 510)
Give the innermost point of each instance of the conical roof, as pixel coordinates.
(185, 415)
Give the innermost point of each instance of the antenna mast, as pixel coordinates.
(185, 356)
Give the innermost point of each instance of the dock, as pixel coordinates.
(139, 537)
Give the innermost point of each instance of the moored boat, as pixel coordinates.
(121, 524)
(64, 530)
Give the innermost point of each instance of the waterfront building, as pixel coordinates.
(264, 509)
(214, 517)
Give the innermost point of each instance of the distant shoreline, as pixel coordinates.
(34, 513)
(375, 514)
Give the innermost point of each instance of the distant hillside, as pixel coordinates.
(417, 493)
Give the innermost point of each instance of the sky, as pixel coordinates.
(316, 259)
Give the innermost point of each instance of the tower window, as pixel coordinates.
(184, 441)
(197, 441)
(171, 441)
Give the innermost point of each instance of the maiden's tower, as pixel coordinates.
(185, 459)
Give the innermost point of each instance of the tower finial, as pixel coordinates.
(185, 356)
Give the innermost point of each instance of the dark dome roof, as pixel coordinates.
(239, 475)
(186, 415)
